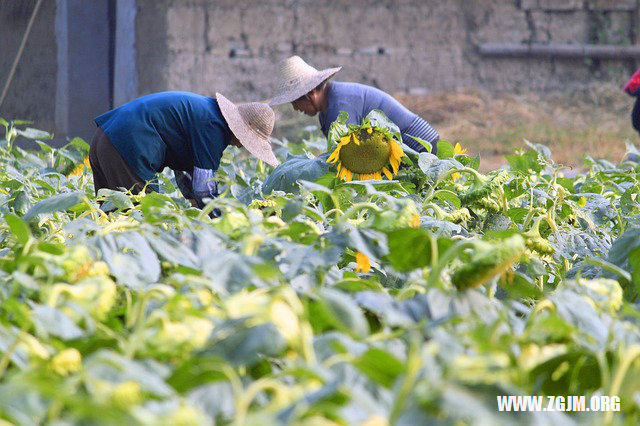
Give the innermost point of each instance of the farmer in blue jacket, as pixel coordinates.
(309, 91)
(633, 89)
(180, 130)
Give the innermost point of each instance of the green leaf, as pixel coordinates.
(285, 177)
(355, 285)
(19, 228)
(378, 118)
(409, 248)
(520, 286)
(56, 203)
(517, 214)
(434, 167)
(620, 251)
(337, 129)
(380, 366)
(445, 150)
(80, 144)
(119, 199)
(525, 162)
(422, 142)
(31, 133)
(44, 147)
(49, 320)
(450, 196)
(634, 262)
(242, 345)
(344, 313)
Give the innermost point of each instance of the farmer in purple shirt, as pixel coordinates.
(309, 91)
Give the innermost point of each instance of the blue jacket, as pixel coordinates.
(180, 130)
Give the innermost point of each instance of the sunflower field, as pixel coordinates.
(414, 291)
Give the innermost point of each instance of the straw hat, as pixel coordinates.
(297, 78)
(252, 124)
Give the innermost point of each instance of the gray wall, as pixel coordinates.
(234, 46)
(32, 91)
(416, 46)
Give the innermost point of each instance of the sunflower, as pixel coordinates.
(366, 153)
(79, 170)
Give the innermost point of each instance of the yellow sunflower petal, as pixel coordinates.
(335, 155)
(369, 130)
(349, 175)
(387, 173)
(344, 140)
(395, 164)
(458, 149)
(396, 150)
(356, 140)
(378, 175)
(343, 172)
(363, 263)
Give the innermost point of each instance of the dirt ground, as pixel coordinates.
(594, 121)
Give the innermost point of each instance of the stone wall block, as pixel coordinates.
(503, 23)
(186, 28)
(612, 28)
(571, 27)
(561, 5)
(267, 26)
(612, 5)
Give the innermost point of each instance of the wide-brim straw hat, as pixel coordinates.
(296, 78)
(252, 123)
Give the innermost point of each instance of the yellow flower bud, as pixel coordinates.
(186, 415)
(66, 362)
(126, 394)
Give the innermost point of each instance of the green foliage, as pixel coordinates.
(310, 300)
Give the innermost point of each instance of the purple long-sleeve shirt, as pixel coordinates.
(358, 100)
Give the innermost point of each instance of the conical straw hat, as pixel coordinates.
(297, 78)
(252, 124)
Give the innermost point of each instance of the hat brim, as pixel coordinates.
(256, 144)
(301, 87)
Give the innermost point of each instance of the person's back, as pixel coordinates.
(184, 131)
(358, 100)
(160, 130)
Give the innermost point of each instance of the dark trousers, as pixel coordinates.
(109, 168)
(635, 115)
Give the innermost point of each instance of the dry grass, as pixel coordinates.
(594, 121)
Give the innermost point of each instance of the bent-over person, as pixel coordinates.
(312, 92)
(184, 131)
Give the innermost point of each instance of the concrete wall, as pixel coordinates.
(233, 46)
(32, 91)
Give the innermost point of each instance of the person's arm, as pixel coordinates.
(203, 185)
(423, 130)
(208, 143)
(185, 185)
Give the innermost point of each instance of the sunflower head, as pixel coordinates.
(366, 152)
